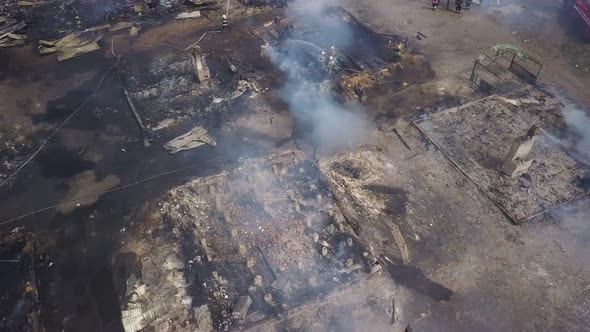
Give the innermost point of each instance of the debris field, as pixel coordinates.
(307, 169)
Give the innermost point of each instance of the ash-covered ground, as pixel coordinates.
(354, 190)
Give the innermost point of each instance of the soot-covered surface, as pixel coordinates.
(269, 230)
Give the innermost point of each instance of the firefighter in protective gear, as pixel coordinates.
(224, 23)
(331, 64)
(333, 51)
(468, 4)
(323, 58)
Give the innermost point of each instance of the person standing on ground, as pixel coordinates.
(468, 4)
(458, 6)
(331, 64)
(333, 51)
(323, 58)
(224, 23)
(434, 4)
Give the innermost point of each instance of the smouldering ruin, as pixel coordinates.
(302, 165)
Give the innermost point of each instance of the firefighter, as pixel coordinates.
(434, 4)
(331, 64)
(224, 23)
(458, 6)
(468, 4)
(333, 51)
(323, 58)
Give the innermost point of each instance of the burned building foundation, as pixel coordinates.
(481, 153)
(250, 244)
(305, 170)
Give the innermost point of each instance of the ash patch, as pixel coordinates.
(396, 198)
(165, 90)
(479, 149)
(350, 168)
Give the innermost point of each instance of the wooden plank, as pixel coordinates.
(188, 15)
(6, 22)
(12, 43)
(64, 41)
(12, 28)
(68, 53)
(400, 242)
(84, 46)
(100, 27)
(134, 110)
(120, 25)
(34, 3)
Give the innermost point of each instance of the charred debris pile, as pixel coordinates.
(20, 300)
(53, 19)
(242, 247)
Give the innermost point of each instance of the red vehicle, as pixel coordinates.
(580, 10)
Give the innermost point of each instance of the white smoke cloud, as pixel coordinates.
(330, 29)
(579, 124)
(307, 91)
(575, 230)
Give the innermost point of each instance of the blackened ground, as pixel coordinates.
(412, 277)
(169, 73)
(80, 285)
(50, 21)
(330, 275)
(77, 293)
(13, 276)
(395, 198)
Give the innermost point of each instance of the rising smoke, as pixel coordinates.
(331, 126)
(579, 124)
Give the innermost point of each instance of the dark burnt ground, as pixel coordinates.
(18, 299)
(163, 86)
(396, 198)
(54, 19)
(389, 101)
(240, 211)
(77, 292)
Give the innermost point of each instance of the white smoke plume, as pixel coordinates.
(579, 124)
(308, 90)
(331, 30)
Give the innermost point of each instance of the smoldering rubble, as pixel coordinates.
(307, 169)
(309, 92)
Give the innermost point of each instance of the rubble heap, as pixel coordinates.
(250, 244)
